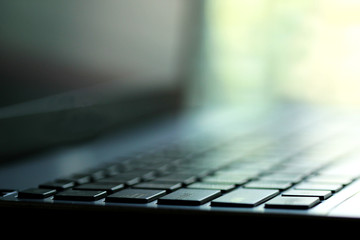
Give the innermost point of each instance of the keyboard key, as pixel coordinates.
(96, 174)
(215, 186)
(118, 167)
(292, 202)
(344, 180)
(244, 198)
(135, 196)
(37, 193)
(189, 197)
(231, 179)
(262, 184)
(60, 184)
(109, 187)
(293, 178)
(185, 179)
(80, 195)
(319, 186)
(78, 178)
(293, 170)
(199, 173)
(168, 186)
(143, 174)
(241, 172)
(125, 178)
(159, 167)
(308, 193)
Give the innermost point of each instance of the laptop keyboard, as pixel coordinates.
(277, 170)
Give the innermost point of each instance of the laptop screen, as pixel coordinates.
(61, 60)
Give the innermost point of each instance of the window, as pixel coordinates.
(299, 50)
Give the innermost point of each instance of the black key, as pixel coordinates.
(242, 172)
(215, 186)
(159, 167)
(232, 179)
(261, 184)
(146, 175)
(60, 184)
(37, 193)
(126, 178)
(118, 167)
(135, 196)
(344, 180)
(308, 193)
(292, 202)
(319, 186)
(135, 173)
(189, 197)
(293, 178)
(109, 187)
(244, 198)
(200, 173)
(4, 192)
(80, 195)
(78, 178)
(185, 179)
(96, 174)
(168, 186)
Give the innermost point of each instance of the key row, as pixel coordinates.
(110, 190)
(240, 197)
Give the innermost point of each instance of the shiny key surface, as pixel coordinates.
(244, 198)
(36, 193)
(333, 187)
(292, 202)
(109, 187)
(264, 184)
(125, 178)
(215, 186)
(308, 193)
(60, 184)
(182, 178)
(189, 197)
(80, 195)
(227, 179)
(168, 186)
(135, 196)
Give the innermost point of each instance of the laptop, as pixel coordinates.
(96, 124)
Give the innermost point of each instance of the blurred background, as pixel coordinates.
(246, 50)
(70, 69)
(298, 50)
